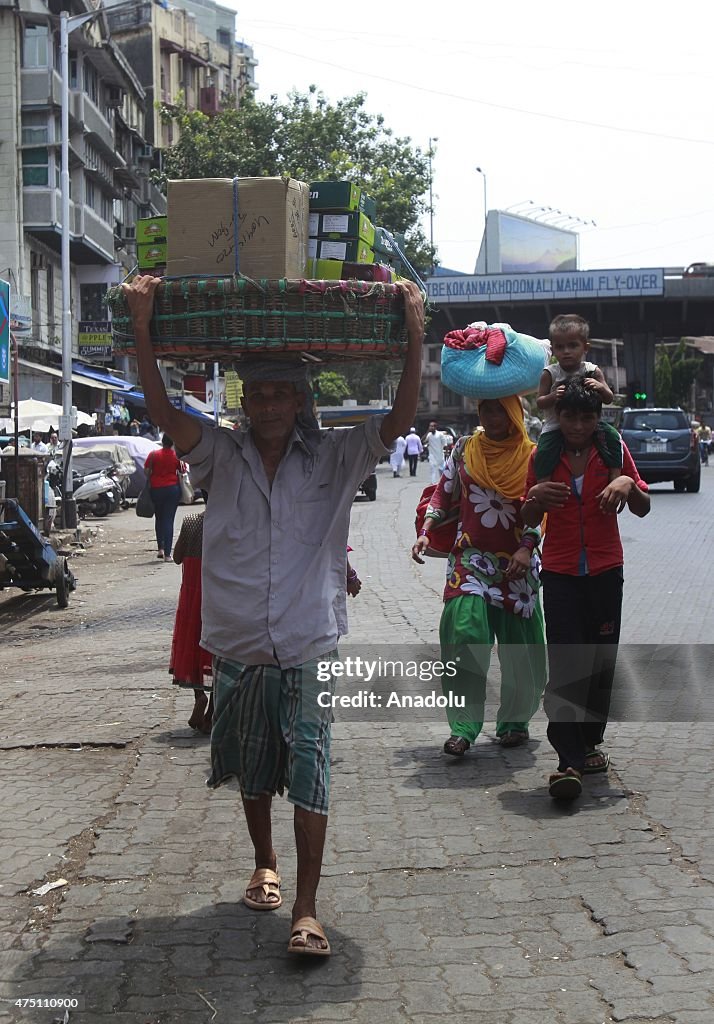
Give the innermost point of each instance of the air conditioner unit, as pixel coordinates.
(146, 153)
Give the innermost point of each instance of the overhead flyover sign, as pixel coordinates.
(4, 332)
(575, 284)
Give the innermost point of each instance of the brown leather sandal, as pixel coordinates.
(304, 928)
(269, 882)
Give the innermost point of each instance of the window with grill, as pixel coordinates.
(35, 129)
(91, 83)
(51, 299)
(449, 397)
(35, 166)
(92, 300)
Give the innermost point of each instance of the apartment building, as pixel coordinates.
(109, 180)
(121, 63)
(188, 51)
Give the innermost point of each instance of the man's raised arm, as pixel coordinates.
(183, 429)
(404, 407)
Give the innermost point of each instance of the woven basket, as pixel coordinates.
(225, 317)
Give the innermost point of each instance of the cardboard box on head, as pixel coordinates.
(269, 235)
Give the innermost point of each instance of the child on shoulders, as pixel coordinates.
(570, 340)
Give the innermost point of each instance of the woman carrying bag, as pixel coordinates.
(492, 578)
(163, 469)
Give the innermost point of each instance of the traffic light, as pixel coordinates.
(636, 394)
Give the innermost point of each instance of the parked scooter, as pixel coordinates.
(95, 493)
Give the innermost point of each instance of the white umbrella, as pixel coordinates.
(45, 414)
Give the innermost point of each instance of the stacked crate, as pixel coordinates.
(151, 242)
(342, 234)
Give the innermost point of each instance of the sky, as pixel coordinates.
(602, 111)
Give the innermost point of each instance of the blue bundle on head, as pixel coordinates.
(493, 361)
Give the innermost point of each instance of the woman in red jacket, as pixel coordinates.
(582, 585)
(162, 469)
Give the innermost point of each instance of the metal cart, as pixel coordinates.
(27, 561)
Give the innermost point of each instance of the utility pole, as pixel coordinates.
(431, 202)
(485, 221)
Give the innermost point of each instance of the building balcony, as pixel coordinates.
(91, 240)
(99, 130)
(40, 87)
(127, 176)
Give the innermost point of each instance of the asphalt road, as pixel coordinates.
(451, 889)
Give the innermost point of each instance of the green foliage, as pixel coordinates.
(369, 379)
(331, 388)
(312, 140)
(684, 370)
(663, 378)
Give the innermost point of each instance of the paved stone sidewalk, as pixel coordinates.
(452, 889)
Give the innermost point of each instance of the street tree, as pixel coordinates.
(331, 388)
(684, 371)
(312, 139)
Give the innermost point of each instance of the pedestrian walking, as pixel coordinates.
(162, 468)
(704, 434)
(190, 664)
(414, 448)
(396, 458)
(582, 584)
(435, 441)
(492, 578)
(274, 588)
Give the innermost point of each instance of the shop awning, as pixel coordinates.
(77, 378)
(137, 398)
(103, 377)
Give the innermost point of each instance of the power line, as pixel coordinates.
(489, 103)
(480, 44)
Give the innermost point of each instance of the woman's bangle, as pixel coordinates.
(352, 575)
(423, 533)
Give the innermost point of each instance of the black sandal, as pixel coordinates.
(565, 785)
(456, 746)
(514, 738)
(597, 769)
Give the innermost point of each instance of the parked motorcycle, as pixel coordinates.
(95, 493)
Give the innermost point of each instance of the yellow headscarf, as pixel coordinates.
(501, 465)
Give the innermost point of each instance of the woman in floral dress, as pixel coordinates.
(492, 579)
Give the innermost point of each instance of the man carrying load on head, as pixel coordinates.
(274, 552)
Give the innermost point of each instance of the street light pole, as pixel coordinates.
(431, 204)
(69, 509)
(485, 221)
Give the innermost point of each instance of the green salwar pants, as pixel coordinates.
(469, 625)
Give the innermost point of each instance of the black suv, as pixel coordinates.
(663, 445)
